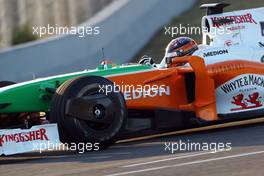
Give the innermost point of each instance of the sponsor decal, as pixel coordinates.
(13, 141)
(242, 93)
(235, 35)
(233, 28)
(249, 80)
(262, 28)
(261, 44)
(253, 101)
(214, 53)
(236, 19)
(228, 43)
(24, 136)
(262, 59)
(146, 93)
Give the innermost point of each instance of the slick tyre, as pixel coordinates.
(95, 130)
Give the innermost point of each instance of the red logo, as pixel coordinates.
(24, 136)
(242, 102)
(236, 19)
(228, 43)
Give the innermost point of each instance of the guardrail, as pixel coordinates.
(125, 27)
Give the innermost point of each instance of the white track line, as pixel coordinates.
(187, 163)
(171, 158)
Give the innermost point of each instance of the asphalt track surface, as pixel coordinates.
(149, 157)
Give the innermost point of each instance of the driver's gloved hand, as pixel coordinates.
(146, 60)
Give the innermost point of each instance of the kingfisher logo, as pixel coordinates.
(235, 19)
(214, 53)
(24, 136)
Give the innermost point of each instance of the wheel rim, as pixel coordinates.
(99, 111)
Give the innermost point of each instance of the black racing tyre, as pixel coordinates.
(75, 130)
(6, 83)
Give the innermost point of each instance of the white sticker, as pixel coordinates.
(242, 93)
(14, 141)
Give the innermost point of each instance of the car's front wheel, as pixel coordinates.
(86, 112)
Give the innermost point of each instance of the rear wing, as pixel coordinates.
(232, 28)
(214, 8)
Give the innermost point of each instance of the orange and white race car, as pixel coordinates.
(221, 81)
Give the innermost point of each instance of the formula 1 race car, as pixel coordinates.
(219, 82)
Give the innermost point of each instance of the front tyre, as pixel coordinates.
(85, 113)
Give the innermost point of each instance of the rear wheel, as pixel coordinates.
(86, 114)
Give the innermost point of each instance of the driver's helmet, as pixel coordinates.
(182, 46)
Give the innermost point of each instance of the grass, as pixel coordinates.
(156, 46)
